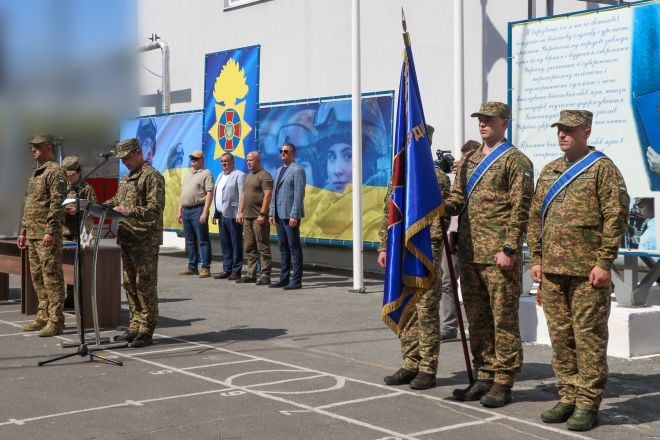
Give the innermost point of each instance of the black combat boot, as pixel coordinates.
(401, 377)
(474, 391)
(498, 396)
(423, 381)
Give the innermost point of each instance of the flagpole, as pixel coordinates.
(358, 276)
(457, 303)
(459, 85)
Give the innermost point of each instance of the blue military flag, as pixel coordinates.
(415, 202)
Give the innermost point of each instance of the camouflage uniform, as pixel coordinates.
(86, 192)
(44, 214)
(495, 216)
(420, 335)
(142, 193)
(582, 229)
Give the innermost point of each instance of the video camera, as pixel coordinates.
(445, 160)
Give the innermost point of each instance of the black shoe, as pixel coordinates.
(222, 276)
(142, 340)
(293, 286)
(448, 334)
(127, 336)
(498, 396)
(280, 283)
(423, 381)
(246, 280)
(474, 391)
(234, 276)
(401, 377)
(263, 281)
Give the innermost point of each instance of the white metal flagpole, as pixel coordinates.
(358, 276)
(459, 83)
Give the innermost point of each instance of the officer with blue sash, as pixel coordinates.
(492, 193)
(578, 216)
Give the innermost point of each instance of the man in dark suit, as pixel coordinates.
(286, 210)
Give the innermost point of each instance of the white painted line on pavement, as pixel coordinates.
(365, 399)
(165, 350)
(116, 405)
(219, 364)
(11, 311)
(457, 426)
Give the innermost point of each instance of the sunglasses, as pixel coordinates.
(285, 151)
(195, 159)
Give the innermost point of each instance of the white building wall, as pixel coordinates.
(306, 48)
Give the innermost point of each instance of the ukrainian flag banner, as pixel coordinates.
(415, 202)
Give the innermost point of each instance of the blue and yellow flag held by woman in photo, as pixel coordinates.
(415, 202)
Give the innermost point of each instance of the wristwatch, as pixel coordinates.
(508, 250)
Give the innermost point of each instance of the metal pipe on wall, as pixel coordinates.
(165, 64)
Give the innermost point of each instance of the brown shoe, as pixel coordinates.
(234, 276)
(189, 271)
(222, 276)
(401, 377)
(34, 326)
(204, 273)
(498, 396)
(423, 381)
(51, 330)
(474, 391)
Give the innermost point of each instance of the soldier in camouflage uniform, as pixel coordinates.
(491, 228)
(572, 250)
(41, 232)
(420, 335)
(141, 197)
(71, 165)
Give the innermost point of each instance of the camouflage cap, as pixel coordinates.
(493, 108)
(71, 165)
(41, 138)
(197, 154)
(125, 147)
(574, 118)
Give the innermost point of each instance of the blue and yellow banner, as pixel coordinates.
(415, 202)
(231, 98)
(321, 130)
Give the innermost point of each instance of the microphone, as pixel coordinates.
(107, 154)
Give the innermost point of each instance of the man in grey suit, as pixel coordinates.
(286, 210)
(228, 190)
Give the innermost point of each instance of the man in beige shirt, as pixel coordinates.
(193, 213)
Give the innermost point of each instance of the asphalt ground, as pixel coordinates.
(239, 361)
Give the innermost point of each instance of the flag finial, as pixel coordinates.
(406, 37)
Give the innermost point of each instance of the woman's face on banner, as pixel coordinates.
(339, 166)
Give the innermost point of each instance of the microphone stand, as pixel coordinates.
(83, 349)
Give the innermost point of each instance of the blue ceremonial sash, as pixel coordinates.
(567, 177)
(483, 166)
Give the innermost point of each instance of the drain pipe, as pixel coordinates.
(165, 52)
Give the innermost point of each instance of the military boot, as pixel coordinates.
(142, 340)
(558, 413)
(34, 326)
(583, 419)
(498, 396)
(127, 336)
(50, 330)
(189, 271)
(401, 377)
(423, 381)
(474, 391)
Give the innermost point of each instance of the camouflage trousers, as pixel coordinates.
(490, 297)
(420, 334)
(257, 245)
(577, 315)
(48, 280)
(140, 265)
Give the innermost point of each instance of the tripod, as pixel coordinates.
(83, 349)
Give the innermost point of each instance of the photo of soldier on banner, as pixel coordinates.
(321, 131)
(166, 143)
